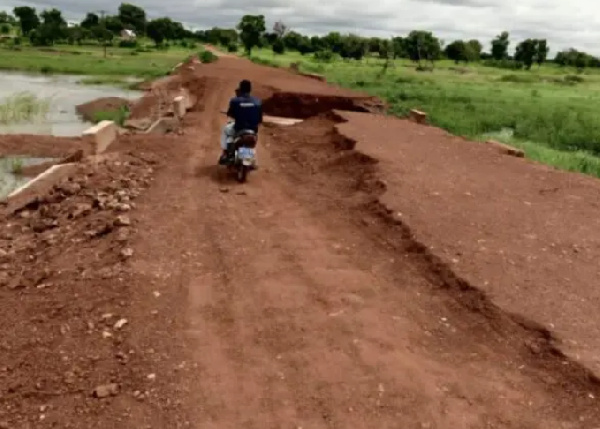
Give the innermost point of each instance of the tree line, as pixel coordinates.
(422, 47)
(50, 27)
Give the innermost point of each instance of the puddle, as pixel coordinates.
(63, 93)
(9, 181)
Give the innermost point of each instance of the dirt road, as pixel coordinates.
(286, 302)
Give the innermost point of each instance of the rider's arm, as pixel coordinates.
(260, 113)
(231, 109)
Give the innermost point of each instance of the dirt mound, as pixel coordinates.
(88, 111)
(67, 353)
(38, 145)
(301, 105)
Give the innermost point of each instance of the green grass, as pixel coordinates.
(89, 60)
(118, 116)
(125, 82)
(23, 107)
(553, 113)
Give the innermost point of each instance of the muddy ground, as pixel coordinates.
(153, 291)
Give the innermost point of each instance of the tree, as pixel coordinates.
(292, 40)
(78, 34)
(278, 46)
(4, 29)
(475, 49)
(133, 17)
(90, 21)
(399, 47)
(423, 45)
(354, 47)
(280, 29)
(457, 51)
(113, 24)
(526, 52)
(542, 52)
(6, 18)
(333, 42)
(103, 35)
(160, 29)
(251, 29)
(500, 46)
(28, 18)
(54, 27)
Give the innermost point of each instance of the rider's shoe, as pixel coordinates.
(223, 158)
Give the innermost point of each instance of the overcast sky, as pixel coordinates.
(565, 24)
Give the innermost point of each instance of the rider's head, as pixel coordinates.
(245, 87)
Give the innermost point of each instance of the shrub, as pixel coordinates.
(232, 47)
(278, 46)
(324, 55)
(207, 57)
(118, 116)
(128, 44)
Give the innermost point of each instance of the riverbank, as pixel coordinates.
(118, 65)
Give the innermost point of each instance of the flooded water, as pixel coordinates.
(10, 179)
(63, 93)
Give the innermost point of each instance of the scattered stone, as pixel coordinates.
(223, 189)
(123, 207)
(106, 334)
(120, 323)
(122, 220)
(151, 377)
(127, 252)
(106, 390)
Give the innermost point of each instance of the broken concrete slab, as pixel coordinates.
(179, 106)
(100, 136)
(418, 116)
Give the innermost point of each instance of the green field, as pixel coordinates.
(89, 60)
(550, 112)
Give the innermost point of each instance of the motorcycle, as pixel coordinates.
(242, 157)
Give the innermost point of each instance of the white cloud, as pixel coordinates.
(564, 24)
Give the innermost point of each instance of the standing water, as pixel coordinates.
(55, 98)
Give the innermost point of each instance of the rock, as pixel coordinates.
(81, 209)
(122, 235)
(151, 377)
(120, 323)
(122, 220)
(123, 207)
(127, 252)
(106, 390)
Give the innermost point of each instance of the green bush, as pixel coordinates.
(324, 55)
(118, 116)
(232, 47)
(207, 57)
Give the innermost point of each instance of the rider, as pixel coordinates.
(246, 112)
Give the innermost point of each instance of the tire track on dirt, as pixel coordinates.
(290, 314)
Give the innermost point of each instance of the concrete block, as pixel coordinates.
(506, 149)
(39, 186)
(418, 116)
(179, 106)
(100, 136)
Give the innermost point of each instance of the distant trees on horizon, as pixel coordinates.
(422, 47)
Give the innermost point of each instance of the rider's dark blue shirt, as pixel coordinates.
(247, 112)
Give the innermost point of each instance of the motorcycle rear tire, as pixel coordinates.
(242, 173)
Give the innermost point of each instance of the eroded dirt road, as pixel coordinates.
(286, 302)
